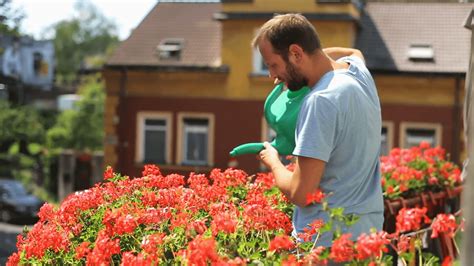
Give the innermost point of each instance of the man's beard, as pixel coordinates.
(295, 80)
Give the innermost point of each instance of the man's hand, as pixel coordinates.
(337, 52)
(269, 156)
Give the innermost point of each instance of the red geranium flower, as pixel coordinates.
(411, 219)
(444, 223)
(315, 197)
(282, 242)
(342, 249)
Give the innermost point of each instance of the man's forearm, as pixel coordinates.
(337, 52)
(282, 178)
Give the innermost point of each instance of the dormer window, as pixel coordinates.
(170, 49)
(421, 52)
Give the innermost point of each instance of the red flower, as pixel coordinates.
(201, 251)
(82, 250)
(224, 222)
(403, 187)
(433, 180)
(103, 250)
(236, 261)
(282, 242)
(314, 258)
(315, 197)
(425, 145)
(444, 223)
(290, 261)
(150, 170)
(313, 228)
(448, 261)
(46, 212)
(128, 258)
(151, 245)
(372, 246)
(109, 173)
(13, 260)
(411, 219)
(403, 244)
(125, 224)
(342, 249)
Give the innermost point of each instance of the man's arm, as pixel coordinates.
(298, 184)
(337, 52)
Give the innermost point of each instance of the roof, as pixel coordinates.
(388, 29)
(192, 22)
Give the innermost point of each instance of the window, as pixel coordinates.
(196, 136)
(170, 48)
(421, 52)
(387, 138)
(153, 138)
(37, 62)
(412, 134)
(259, 66)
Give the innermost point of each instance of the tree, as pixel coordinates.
(87, 34)
(21, 135)
(81, 128)
(10, 18)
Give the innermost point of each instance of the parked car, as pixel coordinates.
(16, 202)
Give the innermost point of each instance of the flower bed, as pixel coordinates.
(408, 172)
(226, 218)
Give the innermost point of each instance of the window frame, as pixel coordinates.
(404, 126)
(257, 63)
(389, 125)
(140, 134)
(180, 160)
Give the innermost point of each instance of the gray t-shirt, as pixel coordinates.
(340, 123)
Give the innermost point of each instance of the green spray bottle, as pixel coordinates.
(281, 110)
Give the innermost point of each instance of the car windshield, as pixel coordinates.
(14, 189)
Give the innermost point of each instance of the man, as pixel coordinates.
(338, 132)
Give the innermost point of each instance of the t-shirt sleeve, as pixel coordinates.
(316, 128)
(354, 60)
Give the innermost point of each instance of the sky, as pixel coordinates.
(40, 14)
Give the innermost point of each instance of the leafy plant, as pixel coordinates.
(225, 218)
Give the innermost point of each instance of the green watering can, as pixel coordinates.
(281, 110)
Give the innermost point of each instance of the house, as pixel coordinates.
(418, 54)
(186, 86)
(27, 69)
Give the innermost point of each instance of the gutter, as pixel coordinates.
(170, 68)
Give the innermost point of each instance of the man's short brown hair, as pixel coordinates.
(283, 30)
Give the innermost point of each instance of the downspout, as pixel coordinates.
(457, 120)
(122, 111)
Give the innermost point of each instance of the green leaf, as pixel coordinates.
(351, 219)
(337, 213)
(34, 148)
(14, 149)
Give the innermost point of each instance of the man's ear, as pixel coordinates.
(295, 52)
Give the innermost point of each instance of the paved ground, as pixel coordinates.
(8, 234)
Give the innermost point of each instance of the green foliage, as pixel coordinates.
(21, 124)
(22, 153)
(89, 34)
(81, 128)
(10, 19)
